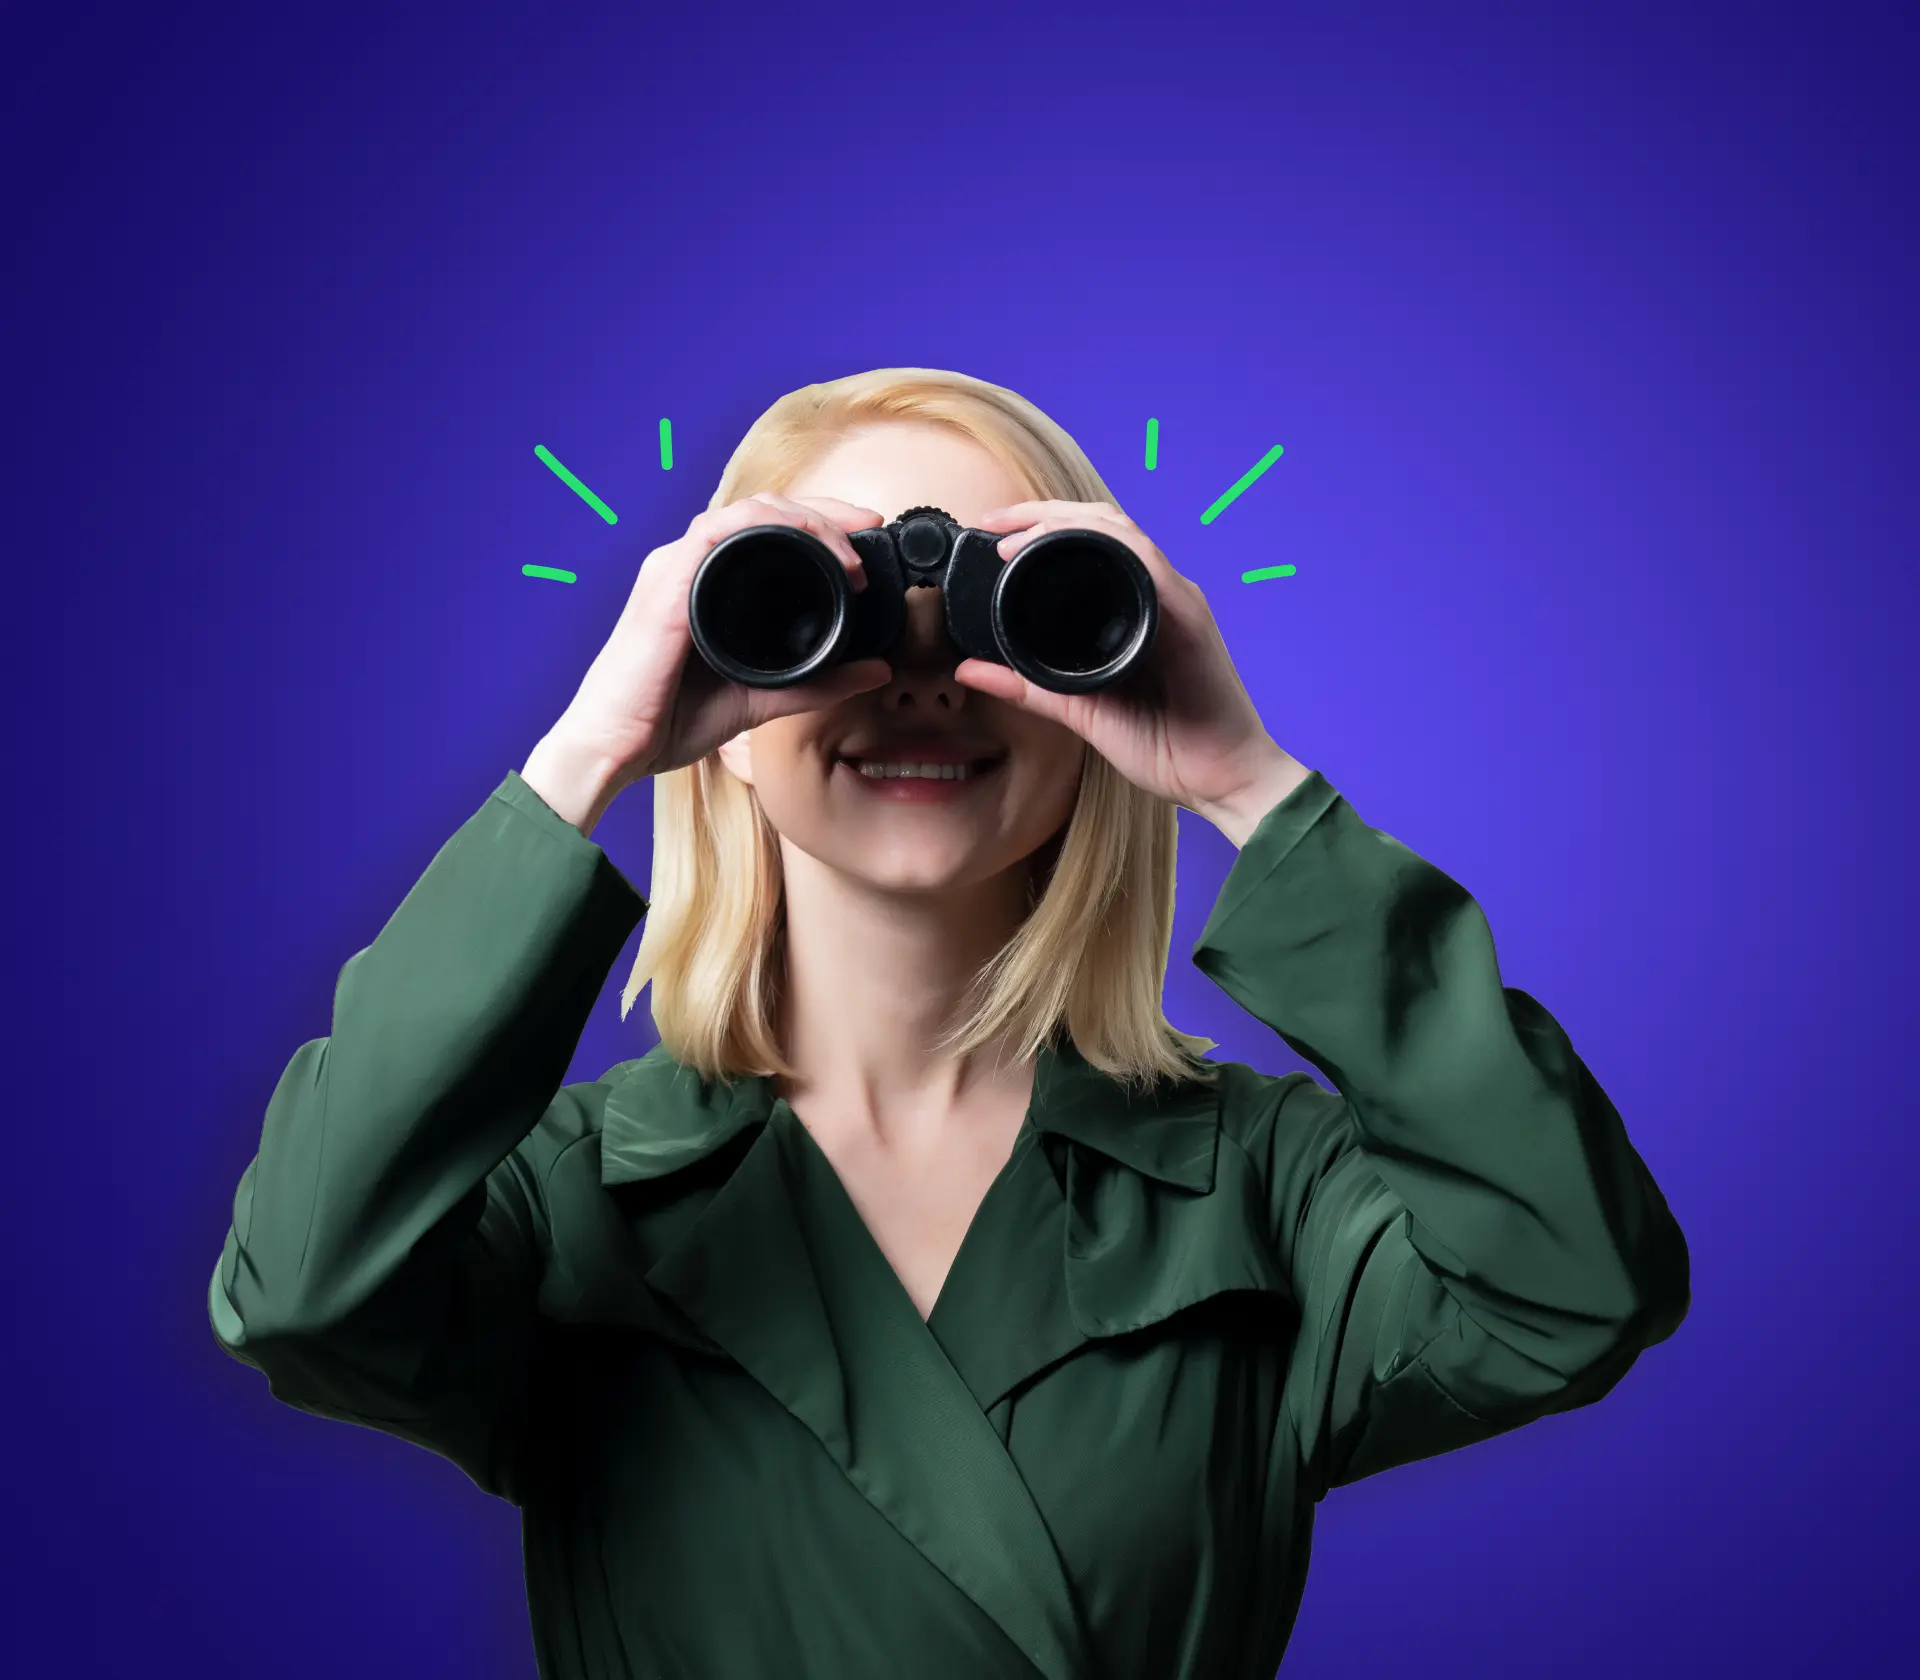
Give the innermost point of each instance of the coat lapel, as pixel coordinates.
(1003, 1316)
(1115, 1211)
(779, 1271)
(1161, 1212)
(1126, 1208)
(921, 1449)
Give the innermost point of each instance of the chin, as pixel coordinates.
(911, 872)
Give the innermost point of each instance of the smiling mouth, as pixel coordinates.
(885, 770)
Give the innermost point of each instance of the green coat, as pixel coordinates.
(644, 1310)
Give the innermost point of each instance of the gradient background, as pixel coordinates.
(1590, 335)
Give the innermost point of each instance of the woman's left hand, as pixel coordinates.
(1182, 724)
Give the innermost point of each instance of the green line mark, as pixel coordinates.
(1266, 572)
(575, 486)
(1232, 494)
(553, 572)
(666, 445)
(1153, 444)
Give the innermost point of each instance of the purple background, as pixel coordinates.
(1591, 342)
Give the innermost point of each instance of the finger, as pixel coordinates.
(1082, 519)
(1176, 590)
(667, 573)
(1168, 579)
(1096, 516)
(1003, 683)
(842, 683)
(664, 582)
(822, 525)
(708, 527)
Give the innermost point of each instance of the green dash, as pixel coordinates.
(1266, 572)
(1232, 494)
(575, 485)
(1153, 444)
(553, 572)
(666, 444)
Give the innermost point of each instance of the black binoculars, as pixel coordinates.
(1072, 611)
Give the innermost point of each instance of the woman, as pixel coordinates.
(925, 1303)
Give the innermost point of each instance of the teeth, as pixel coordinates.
(927, 772)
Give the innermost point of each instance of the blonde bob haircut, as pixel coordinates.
(1090, 959)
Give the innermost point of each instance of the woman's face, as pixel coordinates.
(910, 834)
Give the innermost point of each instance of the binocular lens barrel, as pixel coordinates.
(768, 610)
(1068, 608)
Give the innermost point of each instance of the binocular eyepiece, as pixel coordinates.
(1074, 610)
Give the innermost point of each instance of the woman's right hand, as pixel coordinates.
(649, 702)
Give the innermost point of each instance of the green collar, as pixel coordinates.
(661, 1117)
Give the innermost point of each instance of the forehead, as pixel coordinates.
(894, 466)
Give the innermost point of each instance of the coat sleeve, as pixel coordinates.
(1471, 1239)
(385, 1252)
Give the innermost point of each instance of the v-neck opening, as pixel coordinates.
(879, 1390)
(1023, 1139)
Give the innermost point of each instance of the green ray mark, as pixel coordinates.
(666, 444)
(1153, 444)
(575, 486)
(553, 572)
(1240, 484)
(1266, 572)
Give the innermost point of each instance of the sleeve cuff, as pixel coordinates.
(518, 797)
(1267, 847)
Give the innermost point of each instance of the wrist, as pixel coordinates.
(1277, 774)
(576, 782)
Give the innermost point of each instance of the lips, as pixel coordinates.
(922, 769)
(925, 757)
(921, 762)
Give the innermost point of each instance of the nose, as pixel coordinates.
(923, 661)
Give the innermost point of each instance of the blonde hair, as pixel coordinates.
(1090, 959)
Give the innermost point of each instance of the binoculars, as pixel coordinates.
(1074, 610)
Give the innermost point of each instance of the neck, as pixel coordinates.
(872, 980)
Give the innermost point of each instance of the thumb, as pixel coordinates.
(842, 683)
(1004, 683)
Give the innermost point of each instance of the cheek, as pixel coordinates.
(1049, 792)
(791, 796)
